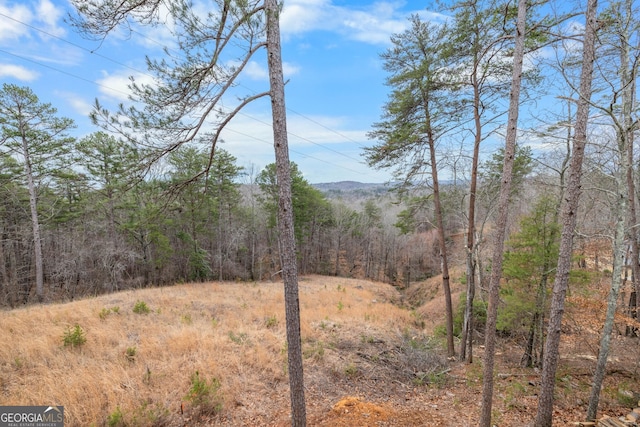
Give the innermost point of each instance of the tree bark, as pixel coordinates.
(629, 82)
(35, 223)
(616, 280)
(501, 223)
(285, 216)
(441, 238)
(623, 179)
(633, 233)
(569, 211)
(466, 342)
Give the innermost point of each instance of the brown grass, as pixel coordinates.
(231, 331)
(367, 361)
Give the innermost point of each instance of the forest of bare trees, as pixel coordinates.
(106, 229)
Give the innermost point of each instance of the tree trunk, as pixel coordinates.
(633, 217)
(5, 283)
(466, 342)
(529, 358)
(33, 204)
(441, 238)
(285, 216)
(338, 246)
(616, 280)
(569, 211)
(501, 223)
(623, 135)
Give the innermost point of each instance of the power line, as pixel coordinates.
(75, 76)
(292, 150)
(91, 51)
(253, 92)
(302, 138)
(325, 127)
(94, 52)
(226, 128)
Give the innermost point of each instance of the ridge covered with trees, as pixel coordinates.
(106, 228)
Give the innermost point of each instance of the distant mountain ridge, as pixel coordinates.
(349, 185)
(352, 187)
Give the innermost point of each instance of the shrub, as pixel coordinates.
(116, 418)
(104, 313)
(130, 354)
(271, 322)
(205, 395)
(141, 307)
(418, 355)
(314, 351)
(479, 314)
(74, 337)
(241, 338)
(150, 414)
(626, 397)
(351, 370)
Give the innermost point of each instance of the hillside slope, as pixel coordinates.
(368, 361)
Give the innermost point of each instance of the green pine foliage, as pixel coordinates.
(528, 270)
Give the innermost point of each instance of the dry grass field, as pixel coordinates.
(215, 354)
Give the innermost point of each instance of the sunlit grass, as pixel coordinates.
(100, 378)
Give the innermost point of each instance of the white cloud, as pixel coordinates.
(299, 16)
(260, 72)
(50, 15)
(77, 102)
(372, 24)
(17, 72)
(44, 16)
(331, 158)
(256, 71)
(314, 141)
(12, 29)
(375, 26)
(154, 37)
(574, 30)
(289, 69)
(116, 85)
(33, 30)
(322, 130)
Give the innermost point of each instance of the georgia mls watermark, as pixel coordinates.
(31, 416)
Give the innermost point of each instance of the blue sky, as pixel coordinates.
(330, 51)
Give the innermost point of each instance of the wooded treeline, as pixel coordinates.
(531, 75)
(105, 227)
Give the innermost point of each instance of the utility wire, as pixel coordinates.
(94, 52)
(226, 128)
(292, 150)
(75, 76)
(91, 51)
(253, 92)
